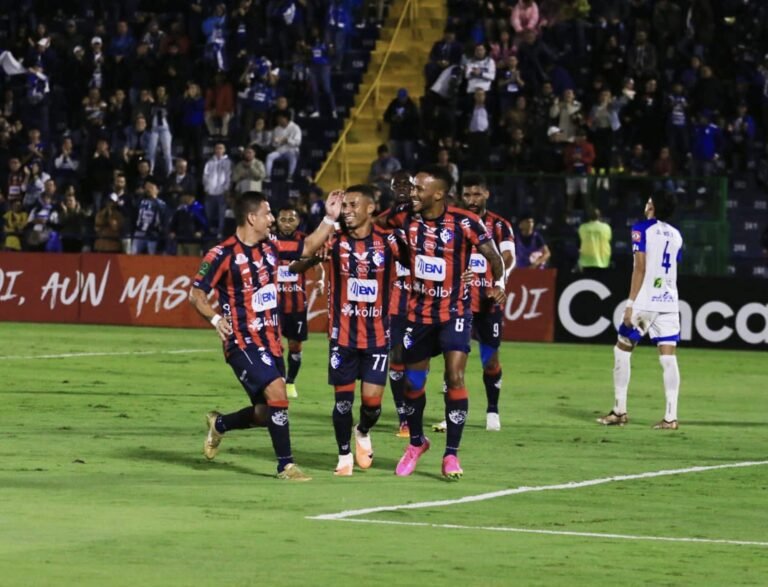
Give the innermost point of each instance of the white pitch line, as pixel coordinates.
(561, 532)
(570, 485)
(105, 354)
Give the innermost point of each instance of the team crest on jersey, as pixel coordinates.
(446, 235)
(378, 258)
(241, 259)
(335, 360)
(270, 259)
(266, 359)
(636, 236)
(280, 417)
(457, 416)
(408, 338)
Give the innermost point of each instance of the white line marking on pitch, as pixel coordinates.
(560, 532)
(105, 354)
(570, 485)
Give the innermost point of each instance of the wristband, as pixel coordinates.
(215, 320)
(630, 303)
(328, 220)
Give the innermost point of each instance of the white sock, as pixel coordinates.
(621, 372)
(671, 384)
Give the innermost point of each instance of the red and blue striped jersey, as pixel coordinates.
(398, 301)
(482, 280)
(361, 275)
(245, 279)
(291, 287)
(440, 251)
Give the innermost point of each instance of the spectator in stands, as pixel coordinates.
(646, 116)
(101, 168)
(36, 185)
(664, 166)
(127, 203)
(15, 219)
(705, 146)
(72, 223)
(338, 25)
(479, 71)
(444, 161)
(123, 43)
(637, 165)
(605, 125)
(219, 106)
(502, 49)
(193, 120)
(150, 221)
(740, 133)
(510, 83)
(382, 170)
(160, 131)
(66, 164)
(260, 138)
(642, 61)
(109, 227)
(445, 53)
(320, 75)
(595, 243)
(403, 119)
(677, 123)
(516, 117)
(43, 218)
(217, 179)
(578, 159)
(478, 132)
(136, 141)
(525, 17)
(708, 93)
(530, 248)
(187, 226)
(248, 173)
(286, 141)
(567, 114)
(180, 181)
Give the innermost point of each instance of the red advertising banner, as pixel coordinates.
(152, 291)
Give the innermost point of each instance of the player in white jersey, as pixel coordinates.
(652, 308)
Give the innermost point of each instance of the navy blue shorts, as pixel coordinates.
(294, 325)
(486, 327)
(423, 341)
(255, 369)
(346, 365)
(396, 330)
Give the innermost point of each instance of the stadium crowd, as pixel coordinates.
(200, 99)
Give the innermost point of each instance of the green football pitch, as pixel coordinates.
(103, 482)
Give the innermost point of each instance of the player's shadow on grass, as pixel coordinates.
(715, 423)
(184, 459)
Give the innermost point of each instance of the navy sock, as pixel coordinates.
(236, 420)
(492, 383)
(279, 431)
(369, 415)
(294, 364)
(414, 409)
(397, 385)
(342, 420)
(456, 408)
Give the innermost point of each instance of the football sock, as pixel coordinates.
(342, 419)
(369, 414)
(415, 401)
(456, 406)
(671, 384)
(621, 372)
(397, 385)
(492, 381)
(279, 431)
(294, 364)
(235, 421)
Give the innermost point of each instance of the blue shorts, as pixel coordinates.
(422, 341)
(256, 368)
(346, 365)
(486, 327)
(294, 325)
(397, 325)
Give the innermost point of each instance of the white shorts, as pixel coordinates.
(662, 327)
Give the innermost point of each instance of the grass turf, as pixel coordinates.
(102, 479)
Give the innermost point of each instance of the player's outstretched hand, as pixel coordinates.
(333, 204)
(224, 328)
(467, 276)
(499, 295)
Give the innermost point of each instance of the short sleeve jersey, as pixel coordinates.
(662, 244)
(398, 301)
(440, 250)
(361, 275)
(291, 287)
(245, 280)
(482, 280)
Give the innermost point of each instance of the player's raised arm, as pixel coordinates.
(491, 253)
(638, 274)
(332, 210)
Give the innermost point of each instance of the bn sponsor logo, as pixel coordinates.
(284, 275)
(430, 268)
(478, 263)
(362, 290)
(265, 298)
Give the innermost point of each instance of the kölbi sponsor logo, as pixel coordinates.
(430, 268)
(713, 321)
(362, 290)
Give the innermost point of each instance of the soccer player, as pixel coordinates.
(292, 291)
(487, 315)
(361, 273)
(401, 184)
(440, 239)
(652, 308)
(243, 271)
